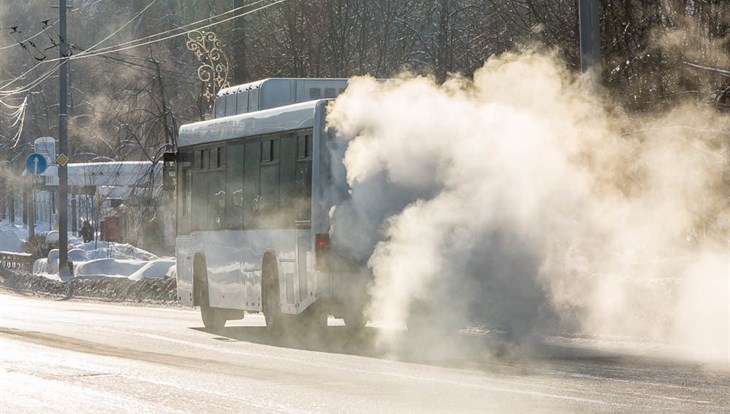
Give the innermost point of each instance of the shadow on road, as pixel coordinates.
(333, 339)
(485, 352)
(461, 350)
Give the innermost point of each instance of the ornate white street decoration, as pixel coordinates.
(213, 70)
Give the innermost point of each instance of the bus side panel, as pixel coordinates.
(320, 200)
(184, 271)
(234, 259)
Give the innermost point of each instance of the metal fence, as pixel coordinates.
(16, 261)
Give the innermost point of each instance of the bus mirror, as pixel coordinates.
(169, 173)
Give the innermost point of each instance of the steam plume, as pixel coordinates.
(520, 200)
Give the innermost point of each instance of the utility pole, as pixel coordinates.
(62, 145)
(590, 36)
(239, 45)
(170, 140)
(31, 197)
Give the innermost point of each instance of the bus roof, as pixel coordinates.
(275, 92)
(284, 118)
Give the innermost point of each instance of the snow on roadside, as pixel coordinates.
(18, 230)
(154, 270)
(107, 267)
(90, 260)
(9, 241)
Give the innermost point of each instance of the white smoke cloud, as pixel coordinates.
(521, 200)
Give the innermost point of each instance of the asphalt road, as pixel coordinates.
(68, 356)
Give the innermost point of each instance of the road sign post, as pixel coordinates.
(62, 143)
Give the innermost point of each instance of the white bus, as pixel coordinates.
(252, 211)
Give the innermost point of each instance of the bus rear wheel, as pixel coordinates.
(312, 321)
(355, 321)
(213, 319)
(272, 300)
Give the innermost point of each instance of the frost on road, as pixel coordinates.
(69, 356)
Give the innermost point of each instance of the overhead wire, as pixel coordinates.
(10, 106)
(30, 85)
(113, 49)
(29, 38)
(123, 26)
(25, 43)
(19, 115)
(53, 70)
(235, 10)
(117, 48)
(64, 40)
(123, 59)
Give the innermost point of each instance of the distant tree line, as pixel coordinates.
(128, 105)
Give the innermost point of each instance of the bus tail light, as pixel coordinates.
(321, 251)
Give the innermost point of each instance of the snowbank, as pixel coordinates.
(9, 241)
(52, 236)
(108, 267)
(106, 288)
(95, 259)
(154, 270)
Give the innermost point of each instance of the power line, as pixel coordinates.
(123, 59)
(32, 84)
(64, 41)
(19, 121)
(123, 26)
(31, 37)
(112, 49)
(123, 46)
(43, 78)
(23, 43)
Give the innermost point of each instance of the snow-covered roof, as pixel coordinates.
(116, 173)
(285, 118)
(275, 92)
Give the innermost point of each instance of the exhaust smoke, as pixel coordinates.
(523, 201)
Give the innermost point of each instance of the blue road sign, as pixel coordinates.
(36, 164)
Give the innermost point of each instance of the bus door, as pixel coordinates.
(295, 194)
(182, 241)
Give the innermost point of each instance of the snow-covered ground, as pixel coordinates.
(90, 260)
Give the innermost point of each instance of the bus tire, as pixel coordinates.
(213, 320)
(272, 299)
(313, 320)
(424, 321)
(355, 320)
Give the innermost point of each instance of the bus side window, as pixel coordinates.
(267, 208)
(234, 186)
(199, 194)
(216, 188)
(303, 182)
(304, 188)
(287, 183)
(188, 206)
(216, 199)
(251, 166)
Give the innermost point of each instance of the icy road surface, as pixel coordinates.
(63, 356)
